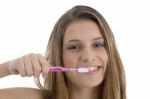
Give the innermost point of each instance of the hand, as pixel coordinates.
(29, 65)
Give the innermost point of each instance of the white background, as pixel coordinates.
(25, 27)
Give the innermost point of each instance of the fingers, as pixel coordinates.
(20, 66)
(36, 65)
(44, 65)
(29, 65)
(39, 65)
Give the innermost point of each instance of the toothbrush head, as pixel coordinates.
(83, 70)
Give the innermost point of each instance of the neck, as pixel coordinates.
(84, 93)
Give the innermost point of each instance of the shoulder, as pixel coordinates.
(21, 93)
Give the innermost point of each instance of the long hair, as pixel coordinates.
(113, 85)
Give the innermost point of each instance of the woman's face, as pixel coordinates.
(83, 45)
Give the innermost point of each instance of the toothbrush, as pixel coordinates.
(62, 69)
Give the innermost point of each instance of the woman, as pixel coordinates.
(80, 38)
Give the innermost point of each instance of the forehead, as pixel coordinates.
(82, 29)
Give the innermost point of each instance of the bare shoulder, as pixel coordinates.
(20, 93)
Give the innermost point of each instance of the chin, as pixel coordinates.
(91, 84)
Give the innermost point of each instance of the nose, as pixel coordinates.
(87, 56)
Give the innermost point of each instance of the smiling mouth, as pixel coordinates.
(91, 68)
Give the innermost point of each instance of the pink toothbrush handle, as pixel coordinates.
(62, 69)
(58, 69)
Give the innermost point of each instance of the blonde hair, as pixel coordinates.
(113, 85)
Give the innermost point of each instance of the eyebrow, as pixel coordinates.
(98, 38)
(77, 40)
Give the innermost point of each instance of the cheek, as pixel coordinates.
(104, 56)
(69, 60)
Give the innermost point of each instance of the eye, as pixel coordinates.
(74, 47)
(98, 45)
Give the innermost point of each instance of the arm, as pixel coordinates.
(4, 69)
(20, 93)
(28, 65)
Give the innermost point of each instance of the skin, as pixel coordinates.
(83, 46)
(20, 93)
(25, 66)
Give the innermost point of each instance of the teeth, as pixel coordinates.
(93, 68)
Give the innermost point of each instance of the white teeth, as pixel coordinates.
(83, 70)
(93, 68)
